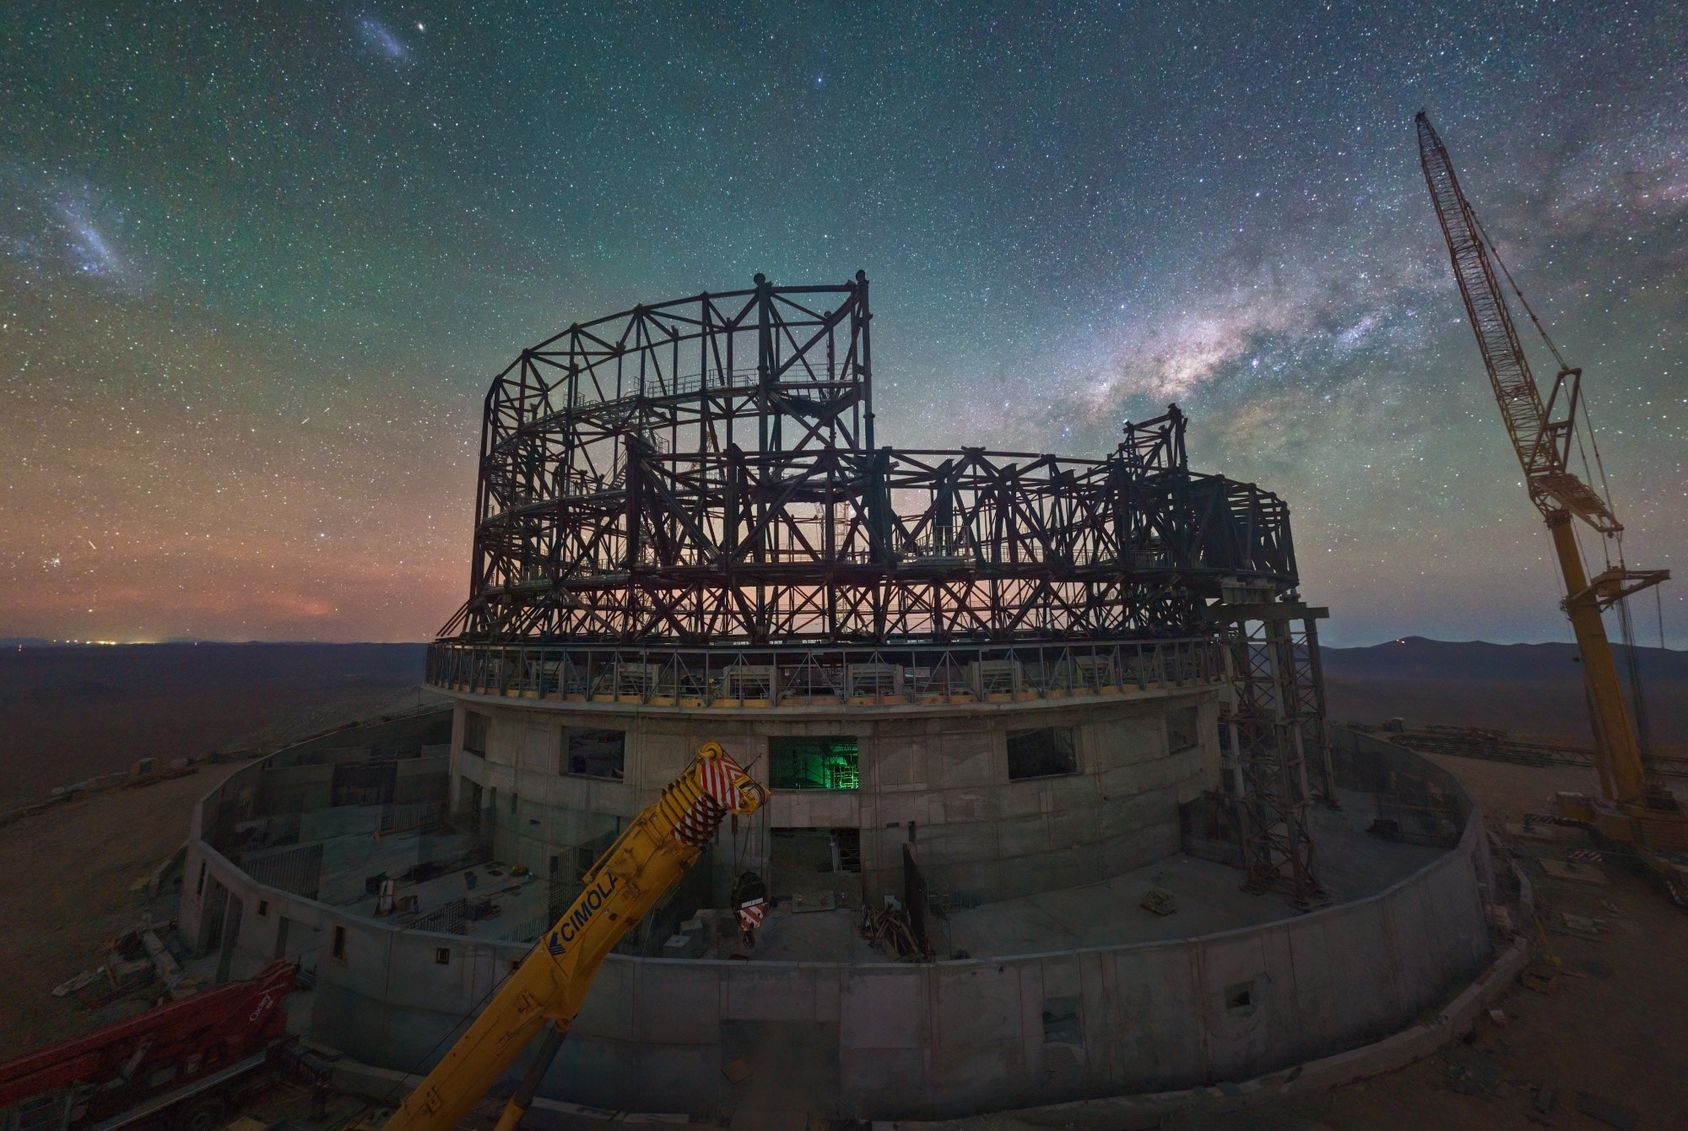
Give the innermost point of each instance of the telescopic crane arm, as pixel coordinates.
(546, 991)
(1542, 435)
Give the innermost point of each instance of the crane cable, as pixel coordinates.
(1584, 422)
(1528, 309)
(1585, 419)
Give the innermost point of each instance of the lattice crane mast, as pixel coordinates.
(1544, 435)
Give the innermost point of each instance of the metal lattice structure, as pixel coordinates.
(1542, 440)
(702, 472)
(683, 504)
(1272, 722)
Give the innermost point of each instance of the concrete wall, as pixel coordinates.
(952, 1038)
(895, 1040)
(937, 776)
(268, 801)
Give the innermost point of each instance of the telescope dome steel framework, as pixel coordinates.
(682, 505)
(701, 473)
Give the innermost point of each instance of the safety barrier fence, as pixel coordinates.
(870, 676)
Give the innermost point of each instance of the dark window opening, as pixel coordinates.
(809, 864)
(848, 844)
(1045, 752)
(1239, 998)
(595, 753)
(340, 943)
(263, 907)
(364, 783)
(1060, 1021)
(814, 762)
(475, 728)
(442, 955)
(1180, 729)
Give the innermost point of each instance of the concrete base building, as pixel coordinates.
(1071, 989)
(996, 799)
(1054, 811)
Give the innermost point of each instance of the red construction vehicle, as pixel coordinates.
(173, 1065)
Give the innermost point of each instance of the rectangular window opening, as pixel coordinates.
(1180, 729)
(1060, 1021)
(263, 907)
(475, 728)
(340, 943)
(1042, 753)
(830, 761)
(1240, 998)
(442, 955)
(847, 843)
(595, 753)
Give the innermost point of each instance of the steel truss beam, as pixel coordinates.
(683, 503)
(702, 470)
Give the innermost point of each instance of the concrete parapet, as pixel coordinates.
(1337, 991)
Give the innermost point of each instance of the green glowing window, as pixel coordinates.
(814, 762)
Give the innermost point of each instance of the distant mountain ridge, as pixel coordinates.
(69, 712)
(160, 670)
(1533, 690)
(1419, 656)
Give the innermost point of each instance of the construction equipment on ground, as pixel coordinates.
(176, 1064)
(547, 989)
(1636, 810)
(888, 929)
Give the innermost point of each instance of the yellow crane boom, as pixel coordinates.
(547, 990)
(1542, 434)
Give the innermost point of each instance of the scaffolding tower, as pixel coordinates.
(1273, 735)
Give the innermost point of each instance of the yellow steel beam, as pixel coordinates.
(1617, 753)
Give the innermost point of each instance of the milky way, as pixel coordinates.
(258, 267)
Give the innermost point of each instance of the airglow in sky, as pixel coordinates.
(258, 265)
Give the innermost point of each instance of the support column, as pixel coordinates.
(1272, 716)
(1617, 754)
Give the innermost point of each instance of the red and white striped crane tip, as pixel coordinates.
(726, 789)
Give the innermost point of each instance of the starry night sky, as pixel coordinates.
(259, 264)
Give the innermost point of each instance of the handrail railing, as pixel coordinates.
(841, 674)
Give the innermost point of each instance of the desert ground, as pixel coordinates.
(1607, 1021)
(1532, 691)
(67, 714)
(68, 885)
(1612, 1022)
